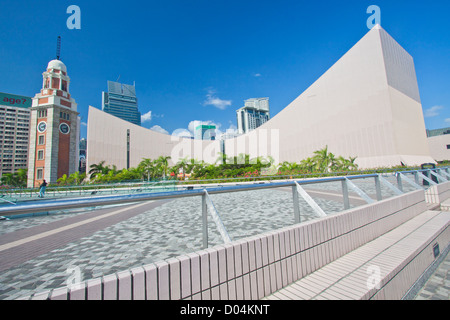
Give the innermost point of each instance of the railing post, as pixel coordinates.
(411, 182)
(390, 185)
(443, 173)
(399, 181)
(361, 193)
(416, 177)
(438, 176)
(345, 194)
(378, 187)
(204, 221)
(317, 210)
(297, 217)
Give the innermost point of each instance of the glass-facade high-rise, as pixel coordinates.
(254, 113)
(205, 132)
(121, 102)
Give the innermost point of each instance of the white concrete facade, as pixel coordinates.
(107, 141)
(440, 147)
(367, 105)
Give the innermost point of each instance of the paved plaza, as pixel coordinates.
(41, 253)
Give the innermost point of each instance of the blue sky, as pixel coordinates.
(200, 59)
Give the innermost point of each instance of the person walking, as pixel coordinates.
(42, 189)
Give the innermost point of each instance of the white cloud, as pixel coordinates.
(84, 124)
(182, 133)
(159, 129)
(189, 132)
(194, 124)
(433, 111)
(447, 120)
(257, 74)
(230, 132)
(212, 100)
(146, 117)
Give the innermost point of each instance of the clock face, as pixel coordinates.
(64, 128)
(42, 126)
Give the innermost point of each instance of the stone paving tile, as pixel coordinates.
(169, 230)
(438, 285)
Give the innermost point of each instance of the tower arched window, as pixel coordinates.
(47, 83)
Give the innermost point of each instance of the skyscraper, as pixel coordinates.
(121, 102)
(253, 114)
(54, 128)
(14, 132)
(205, 132)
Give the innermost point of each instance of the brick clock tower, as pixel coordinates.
(54, 128)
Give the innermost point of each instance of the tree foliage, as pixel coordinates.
(240, 166)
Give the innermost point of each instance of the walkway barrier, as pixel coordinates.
(258, 266)
(61, 192)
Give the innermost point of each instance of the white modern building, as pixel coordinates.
(367, 105)
(253, 114)
(439, 143)
(124, 144)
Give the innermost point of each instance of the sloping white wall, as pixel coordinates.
(107, 141)
(367, 105)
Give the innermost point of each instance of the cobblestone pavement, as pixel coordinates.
(146, 235)
(438, 285)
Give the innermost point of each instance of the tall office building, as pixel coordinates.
(54, 128)
(205, 132)
(82, 164)
(14, 132)
(253, 114)
(121, 101)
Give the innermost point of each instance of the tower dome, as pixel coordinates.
(57, 64)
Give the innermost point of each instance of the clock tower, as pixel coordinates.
(54, 128)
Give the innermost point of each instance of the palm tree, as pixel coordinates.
(351, 163)
(324, 159)
(183, 164)
(20, 177)
(148, 167)
(8, 179)
(77, 177)
(308, 164)
(341, 164)
(63, 180)
(288, 166)
(221, 158)
(163, 163)
(193, 163)
(99, 168)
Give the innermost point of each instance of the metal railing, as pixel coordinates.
(440, 175)
(16, 195)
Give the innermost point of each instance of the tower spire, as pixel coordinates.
(58, 48)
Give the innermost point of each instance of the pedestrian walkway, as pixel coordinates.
(36, 253)
(437, 287)
(399, 252)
